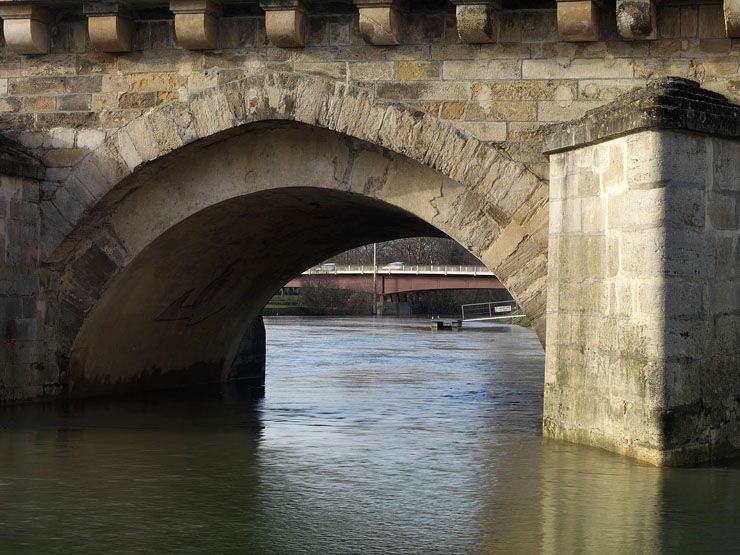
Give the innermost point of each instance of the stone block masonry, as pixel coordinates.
(21, 375)
(643, 309)
(458, 97)
(499, 91)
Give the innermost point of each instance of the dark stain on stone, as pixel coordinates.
(248, 365)
(200, 373)
(93, 270)
(488, 27)
(202, 307)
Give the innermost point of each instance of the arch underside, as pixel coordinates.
(157, 282)
(184, 303)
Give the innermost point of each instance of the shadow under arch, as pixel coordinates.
(188, 225)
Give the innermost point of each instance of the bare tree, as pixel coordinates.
(319, 298)
(414, 250)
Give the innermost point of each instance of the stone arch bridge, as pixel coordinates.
(168, 166)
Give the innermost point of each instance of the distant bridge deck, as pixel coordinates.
(390, 269)
(397, 280)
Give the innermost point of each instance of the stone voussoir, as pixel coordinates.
(289, 96)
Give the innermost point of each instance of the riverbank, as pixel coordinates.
(286, 305)
(295, 305)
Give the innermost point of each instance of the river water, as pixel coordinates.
(375, 436)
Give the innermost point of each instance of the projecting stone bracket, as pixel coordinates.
(477, 20)
(578, 20)
(26, 28)
(732, 18)
(636, 19)
(285, 22)
(196, 23)
(380, 21)
(109, 26)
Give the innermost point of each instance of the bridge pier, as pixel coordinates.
(22, 374)
(643, 309)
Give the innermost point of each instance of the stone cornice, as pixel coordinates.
(671, 103)
(102, 8)
(381, 22)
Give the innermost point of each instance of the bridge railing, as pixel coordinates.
(330, 269)
(498, 310)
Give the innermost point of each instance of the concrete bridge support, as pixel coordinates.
(643, 309)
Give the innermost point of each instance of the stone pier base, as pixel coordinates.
(643, 309)
(248, 367)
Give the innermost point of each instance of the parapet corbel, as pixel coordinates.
(732, 18)
(196, 23)
(578, 20)
(285, 22)
(477, 20)
(26, 28)
(636, 19)
(380, 21)
(109, 25)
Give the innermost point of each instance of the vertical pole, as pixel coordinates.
(375, 279)
(382, 295)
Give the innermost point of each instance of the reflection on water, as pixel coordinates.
(374, 437)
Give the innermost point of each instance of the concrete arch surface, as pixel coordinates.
(163, 244)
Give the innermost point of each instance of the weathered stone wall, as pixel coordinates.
(63, 103)
(94, 222)
(465, 124)
(21, 375)
(644, 296)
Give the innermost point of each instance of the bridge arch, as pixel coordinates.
(144, 243)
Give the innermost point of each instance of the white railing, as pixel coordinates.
(330, 269)
(499, 310)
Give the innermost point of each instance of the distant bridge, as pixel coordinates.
(393, 281)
